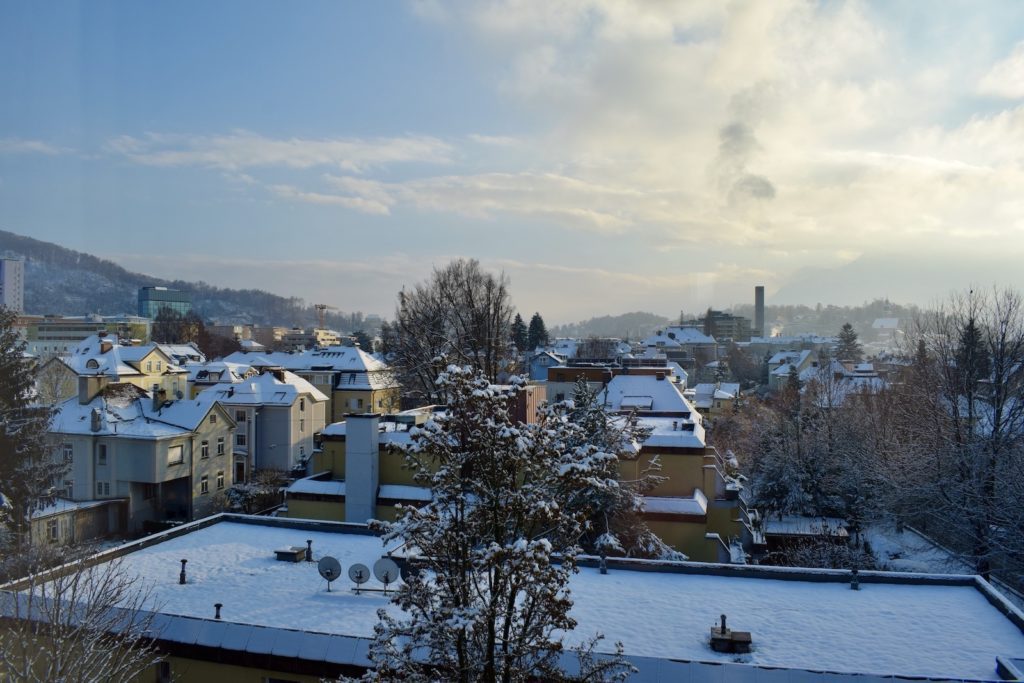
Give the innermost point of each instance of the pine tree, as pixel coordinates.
(538, 333)
(519, 335)
(848, 348)
(28, 469)
(489, 602)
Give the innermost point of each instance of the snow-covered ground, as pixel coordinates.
(947, 631)
(909, 551)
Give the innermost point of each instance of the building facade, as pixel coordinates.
(152, 299)
(12, 282)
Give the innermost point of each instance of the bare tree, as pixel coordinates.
(463, 315)
(81, 623)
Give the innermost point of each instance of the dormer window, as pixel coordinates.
(92, 364)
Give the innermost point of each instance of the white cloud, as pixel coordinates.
(22, 146)
(1006, 78)
(245, 150)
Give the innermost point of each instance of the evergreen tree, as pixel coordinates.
(972, 358)
(538, 333)
(364, 341)
(28, 468)
(489, 602)
(519, 335)
(848, 348)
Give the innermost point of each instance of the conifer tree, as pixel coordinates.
(519, 334)
(28, 469)
(538, 333)
(848, 348)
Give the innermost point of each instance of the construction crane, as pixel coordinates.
(321, 314)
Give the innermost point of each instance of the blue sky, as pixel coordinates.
(606, 155)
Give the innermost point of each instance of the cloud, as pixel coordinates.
(22, 146)
(1006, 78)
(245, 150)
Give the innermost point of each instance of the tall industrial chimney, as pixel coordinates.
(759, 310)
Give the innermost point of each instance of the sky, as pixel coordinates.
(606, 155)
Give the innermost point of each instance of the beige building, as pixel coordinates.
(105, 356)
(146, 458)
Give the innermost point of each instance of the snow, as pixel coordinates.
(61, 506)
(265, 389)
(319, 487)
(624, 392)
(696, 505)
(400, 492)
(795, 525)
(948, 631)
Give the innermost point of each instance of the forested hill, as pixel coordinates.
(637, 325)
(63, 281)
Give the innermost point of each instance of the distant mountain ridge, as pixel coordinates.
(68, 282)
(633, 326)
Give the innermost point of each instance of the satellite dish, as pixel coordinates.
(329, 568)
(359, 573)
(386, 570)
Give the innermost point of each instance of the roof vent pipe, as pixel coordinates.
(217, 606)
(181, 576)
(309, 550)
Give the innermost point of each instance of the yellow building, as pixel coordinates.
(353, 380)
(103, 355)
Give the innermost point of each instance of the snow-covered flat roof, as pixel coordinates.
(329, 487)
(936, 629)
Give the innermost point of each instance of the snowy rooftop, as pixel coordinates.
(370, 372)
(265, 389)
(947, 630)
(131, 414)
(645, 393)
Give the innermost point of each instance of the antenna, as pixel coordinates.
(386, 571)
(330, 569)
(360, 574)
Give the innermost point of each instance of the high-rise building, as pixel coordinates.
(152, 299)
(759, 311)
(12, 281)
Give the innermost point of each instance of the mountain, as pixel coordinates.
(63, 281)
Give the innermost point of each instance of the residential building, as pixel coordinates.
(278, 416)
(245, 615)
(540, 362)
(714, 399)
(783, 363)
(353, 380)
(152, 299)
(687, 346)
(146, 458)
(104, 355)
(723, 326)
(269, 336)
(12, 282)
(298, 339)
(202, 376)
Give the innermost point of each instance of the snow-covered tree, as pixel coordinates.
(615, 526)
(89, 623)
(496, 546)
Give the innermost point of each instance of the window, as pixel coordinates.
(149, 366)
(220, 479)
(175, 455)
(239, 416)
(360, 403)
(302, 404)
(103, 488)
(101, 455)
(204, 485)
(302, 424)
(240, 439)
(213, 418)
(380, 403)
(69, 488)
(69, 452)
(220, 445)
(51, 530)
(159, 366)
(204, 450)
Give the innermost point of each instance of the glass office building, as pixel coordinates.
(152, 299)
